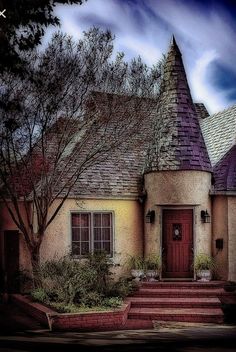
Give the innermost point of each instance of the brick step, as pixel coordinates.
(174, 302)
(182, 284)
(177, 292)
(199, 315)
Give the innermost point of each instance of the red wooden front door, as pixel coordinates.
(177, 243)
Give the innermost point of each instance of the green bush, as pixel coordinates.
(65, 280)
(122, 288)
(91, 299)
(204, 261)
(112, 302)
(136, 262)
(39, 295)
(67, 284)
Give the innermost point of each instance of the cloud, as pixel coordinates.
(204, 92)
(205, 33)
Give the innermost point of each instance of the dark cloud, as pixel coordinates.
(89, 20)
(223, 79)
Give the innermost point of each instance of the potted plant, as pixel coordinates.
(204, 265)
(136, 265)
(153, 267)
(230, 286)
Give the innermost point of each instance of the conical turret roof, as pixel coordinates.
(177, 142)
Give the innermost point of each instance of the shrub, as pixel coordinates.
(91, 299)
(153, 262)
(136, 262)
(65, 280)
(39, 295)
(101, 263)
(70, 283)
(204, 261)
(112, 302)
(122, 288)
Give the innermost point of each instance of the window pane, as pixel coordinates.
(97, 235)
(106, 234)
(97, 246)
(75, 234)
(107, 247)
(106, 220)
(85, 234)
(76, 248)
(84, 248)
(75, 219)
(97, 220)
(84, 220)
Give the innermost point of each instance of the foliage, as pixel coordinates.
(91, 299)
(122, 288)
(136, 262)
(65, 282)
(112, 302)
(39, 295)
(101, 264)
(153, 262)
(204, 261)
(23, 29)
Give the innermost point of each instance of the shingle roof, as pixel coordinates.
(178, 143)
(225, 172)
(219, 131)
(201, 110)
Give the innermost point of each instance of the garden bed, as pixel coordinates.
(84, 321)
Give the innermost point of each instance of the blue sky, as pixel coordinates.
(205, 31)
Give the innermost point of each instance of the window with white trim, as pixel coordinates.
(91, 232)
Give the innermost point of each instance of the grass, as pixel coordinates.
(73, 308)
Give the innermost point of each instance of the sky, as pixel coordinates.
(205, 31)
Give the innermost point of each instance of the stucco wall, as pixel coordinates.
(232, 237)
(6, 224)
(187, 189)
(128, 228)
(220, 230)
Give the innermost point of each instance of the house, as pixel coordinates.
(173, 193)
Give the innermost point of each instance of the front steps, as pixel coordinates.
(177, 301)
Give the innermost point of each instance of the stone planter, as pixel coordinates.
(137, 274)
(204, 275)
(152, 275)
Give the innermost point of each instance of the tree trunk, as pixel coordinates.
(35, 262)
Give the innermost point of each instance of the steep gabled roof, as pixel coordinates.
(225, 172)
(219, 131)
(177, 143)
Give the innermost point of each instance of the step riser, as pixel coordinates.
(174, 305)
(179, 318)
(168, 285)
(176, 293)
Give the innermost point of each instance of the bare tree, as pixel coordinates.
(75, 106)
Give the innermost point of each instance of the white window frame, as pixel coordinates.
(91, 230)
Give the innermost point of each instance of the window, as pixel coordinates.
(91, 232)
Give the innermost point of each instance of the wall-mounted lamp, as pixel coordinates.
(150, 216)
(205, 216)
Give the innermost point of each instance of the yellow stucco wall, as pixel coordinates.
(128, 227)
(186, 189)
(220, 230)
(232, 237)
